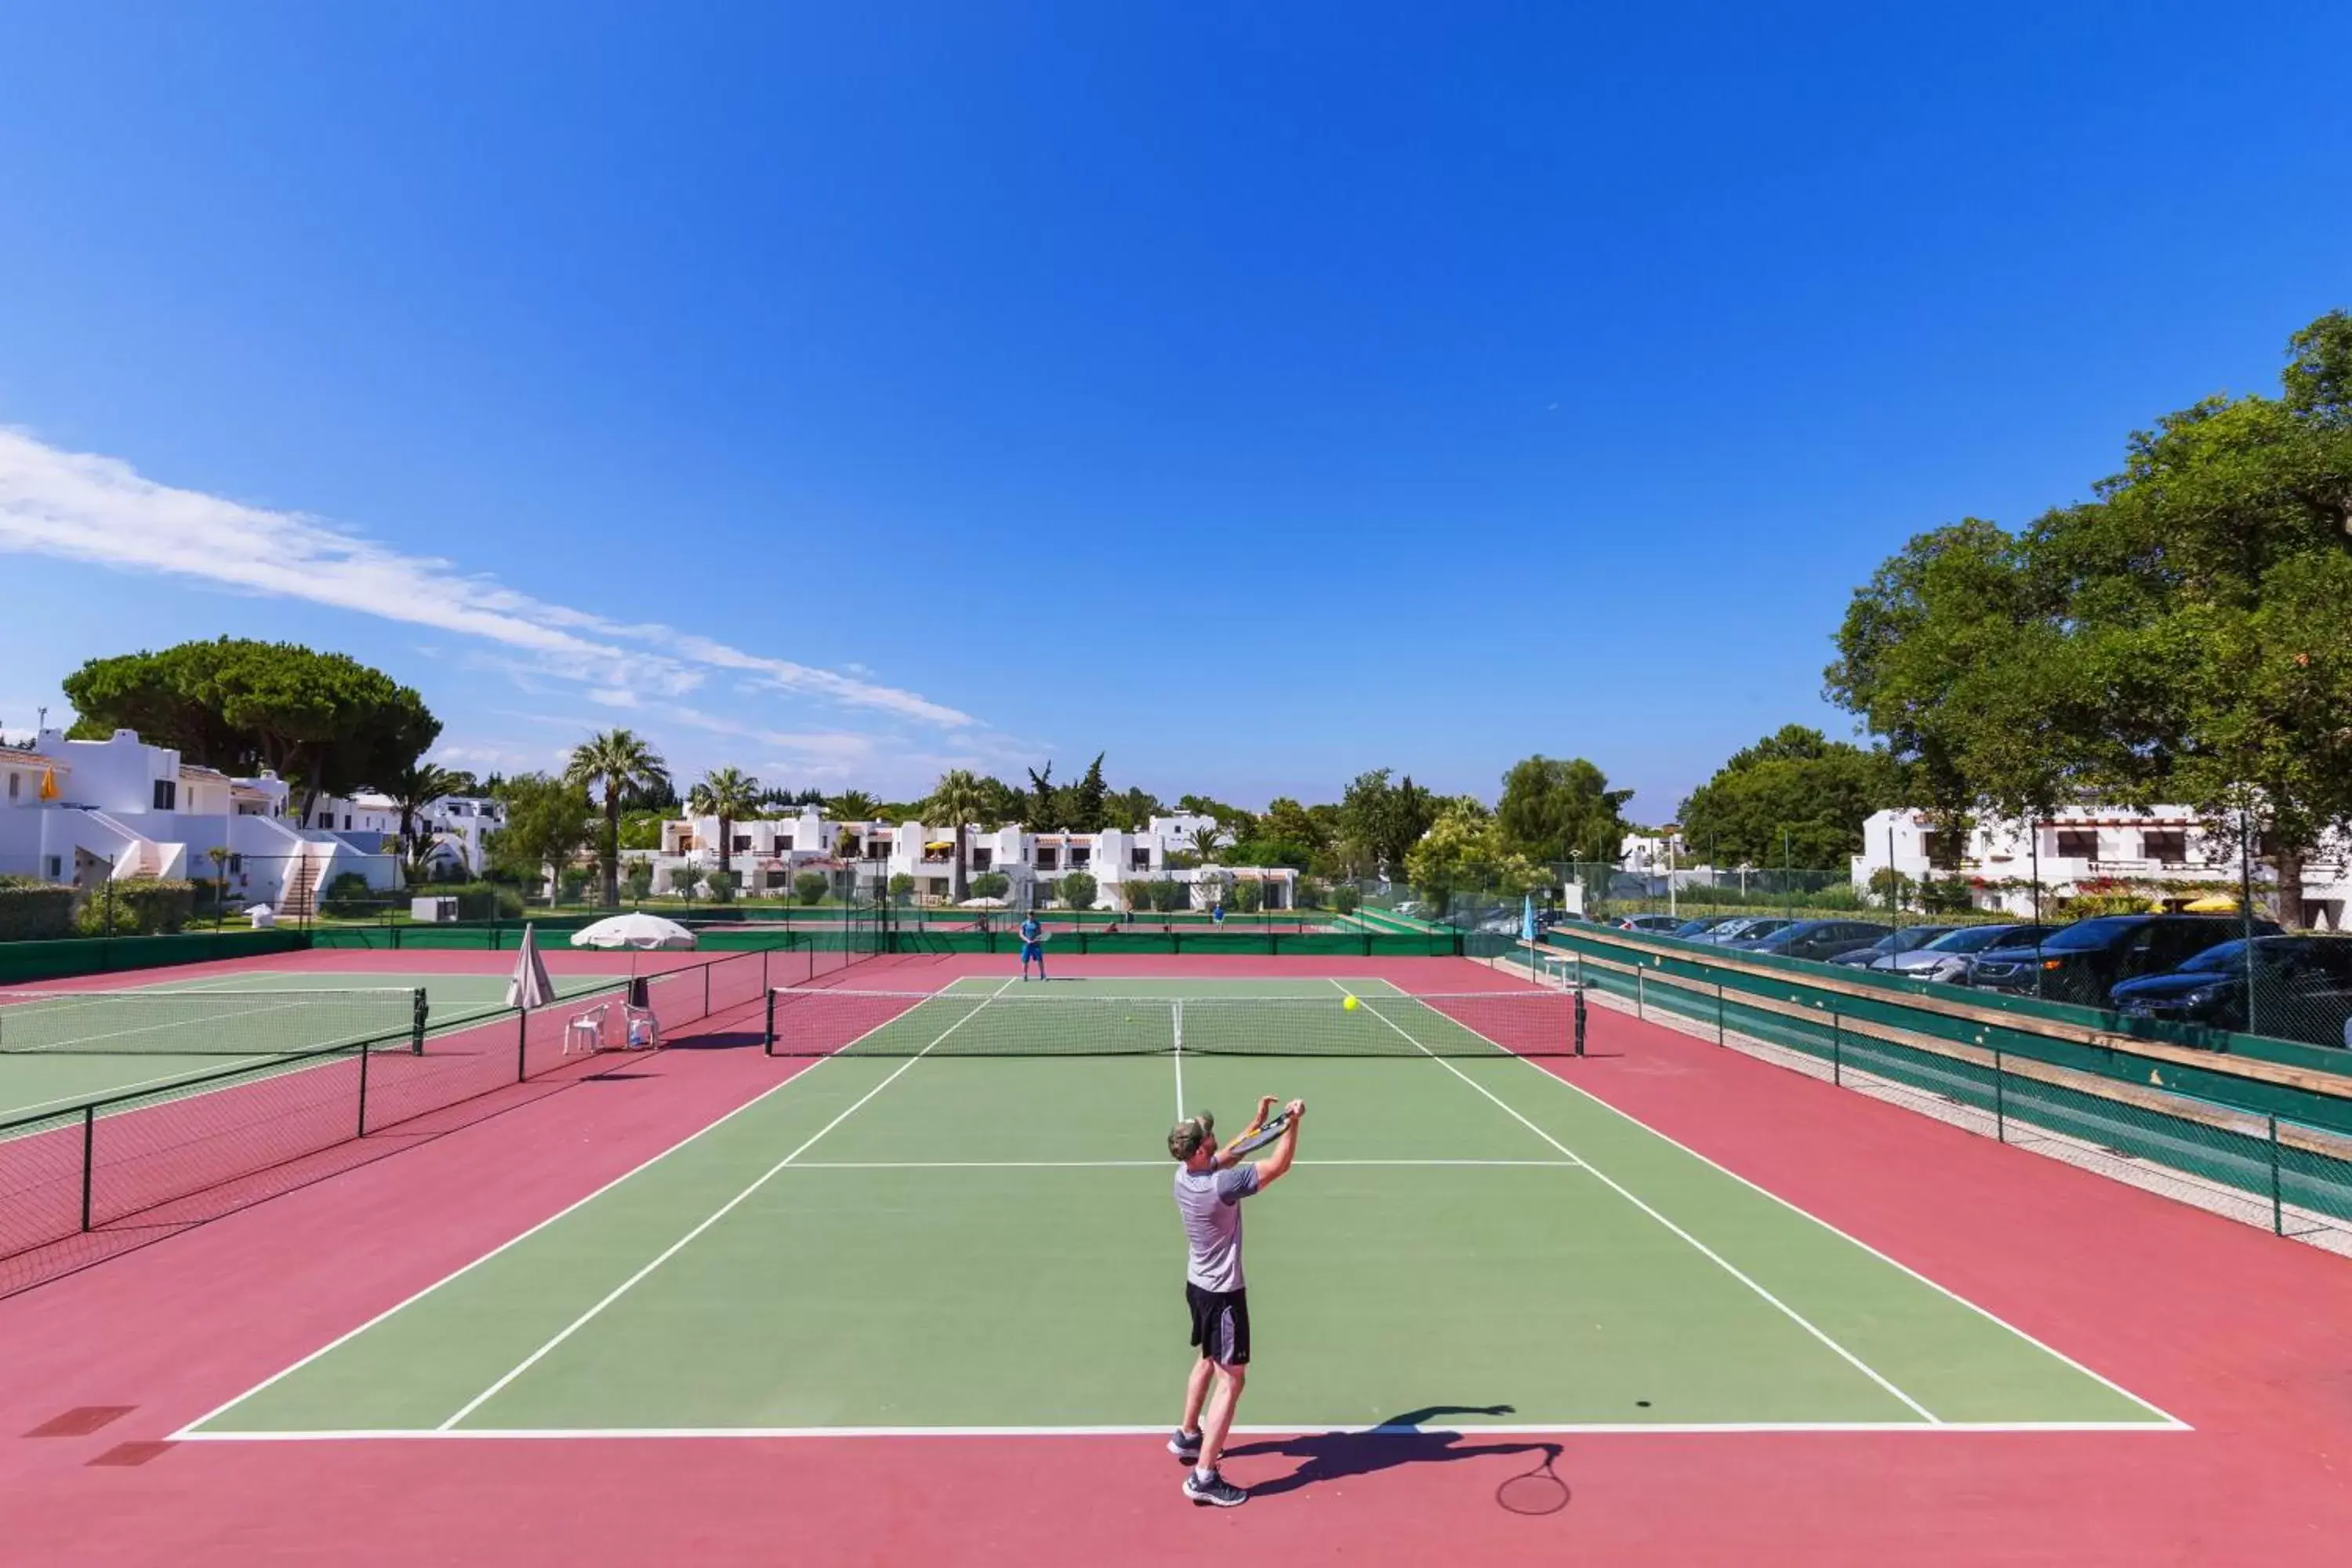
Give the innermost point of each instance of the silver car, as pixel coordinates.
(1950, 958)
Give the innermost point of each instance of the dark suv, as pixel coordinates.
(2302, 989)
(2087, 959)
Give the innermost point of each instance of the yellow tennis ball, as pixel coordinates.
(1349, 1004)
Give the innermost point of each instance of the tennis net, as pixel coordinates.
(207, 1023)
(821, 1022)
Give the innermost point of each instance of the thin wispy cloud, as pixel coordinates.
(98, 510)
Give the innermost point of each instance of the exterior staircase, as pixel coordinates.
(301, 896)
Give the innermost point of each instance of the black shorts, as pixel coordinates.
(1220, 1324)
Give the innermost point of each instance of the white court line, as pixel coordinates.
(675, 1248)
(1124, 1164)
(1709, 1253)
(1986, 1313)
(189, 1432)
(1512, 1429)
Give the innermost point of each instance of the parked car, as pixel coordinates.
(1902, 940)
(1951, 957)
(2302, 989)
(2083, 962)
(1695, 931)
(1651, 925)
(1818, 940)
(1742, 929)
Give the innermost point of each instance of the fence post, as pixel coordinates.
(364, 1054)
(1837, 1063)
(88, 1157)
(706, 987)
(2278, 1214)
(1640, 991)
(2000, 1099)
(1718, 1012)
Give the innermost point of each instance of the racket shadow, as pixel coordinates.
(1397, 1442)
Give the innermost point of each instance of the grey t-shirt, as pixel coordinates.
(1211, 1204)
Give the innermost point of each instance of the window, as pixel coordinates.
(166, 793)
(57, 867)
(2078, 843)
(346, 822)
(1138, 859)
(1931, 844)
(980, 858)
(15, 782)
(1045, 858)
(1081, 857)
(783, 843)
(742, 842)
(2168, 844)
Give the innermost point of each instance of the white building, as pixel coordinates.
(451, 827)
(82, 811)
(2079, 848)
(766, 855)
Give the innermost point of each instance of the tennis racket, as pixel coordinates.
(1258, 1137)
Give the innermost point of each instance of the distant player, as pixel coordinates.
(1210, 1187)
(1033, 946)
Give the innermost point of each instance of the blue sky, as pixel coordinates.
(1258, 394)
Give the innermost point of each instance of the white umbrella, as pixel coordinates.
(529, 987)
(983, 904)
(636, 929)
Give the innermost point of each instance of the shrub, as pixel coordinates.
(639, 881)
(139, 906)
(682, 879)
(1169, 895)
(1347, 897)
(810, 886)
(1077, 890)
(902, 888)
(1249, 896)
(483, 900)
(991, 885)
(1312, 893)
(34, 910)
(722, 887)
(349, 897)
(571, 885)
(1138, 895)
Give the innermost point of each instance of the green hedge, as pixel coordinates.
(136, 906)
(33, 911)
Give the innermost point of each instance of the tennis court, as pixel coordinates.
(955, 1218)
(60, 1047)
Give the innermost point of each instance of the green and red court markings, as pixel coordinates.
(952, 1245)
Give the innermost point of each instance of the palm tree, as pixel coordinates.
(1205, 840)
(725, 794)
(956, 800)
(852, 805)
(620, 764)
(412, 789)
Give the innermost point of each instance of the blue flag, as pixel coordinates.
(1528, 919)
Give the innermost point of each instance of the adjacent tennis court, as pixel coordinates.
(956, 1219)
(62, 1047)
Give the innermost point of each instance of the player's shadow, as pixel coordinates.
(1400, 1440)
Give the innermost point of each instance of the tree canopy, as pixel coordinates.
(1562, 810)
(323, 721)
(1797, 782)
(2181, 635)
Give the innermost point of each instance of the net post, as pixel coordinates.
(88, 1157)
(522, 1044)
(417, 1028)
(1579, 1021)
(2278, 1210)
(706, 987)
(768, 1034)
(364, 1054)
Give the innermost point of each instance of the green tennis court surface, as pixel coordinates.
(58, 1051)
(926, 1241)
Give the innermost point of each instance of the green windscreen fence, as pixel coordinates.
(66, 958)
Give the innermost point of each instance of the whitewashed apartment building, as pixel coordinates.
(767, 855)
(81, 812)
(2089, 845)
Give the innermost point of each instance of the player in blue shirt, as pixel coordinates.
(1033, 946)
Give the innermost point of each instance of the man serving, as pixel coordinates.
(1209, 1186)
